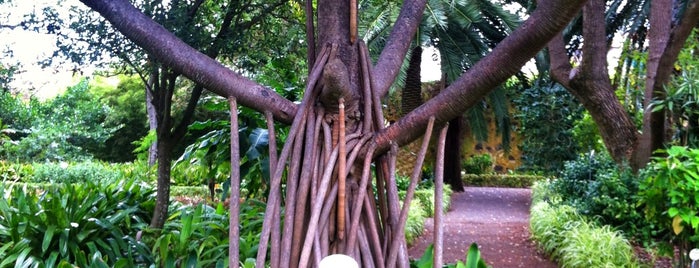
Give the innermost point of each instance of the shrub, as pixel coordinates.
(478, 164)
(96, 172)
(669, 194)
(573, 180)
(195, 237)
(415, 222)
(602, 190)
(198, 236)
(15, 172)
(547, 115)
(576, 242)
(78, 224)
(497, 180)
(426, 199)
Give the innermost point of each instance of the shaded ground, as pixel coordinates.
(495, 218)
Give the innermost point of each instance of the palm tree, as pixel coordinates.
(463, 32)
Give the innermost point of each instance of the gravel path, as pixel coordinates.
(495, 218)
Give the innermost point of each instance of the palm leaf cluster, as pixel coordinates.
(463, 31)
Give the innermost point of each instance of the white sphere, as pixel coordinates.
(694, 254)
(338, 261)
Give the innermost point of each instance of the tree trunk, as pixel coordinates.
(373, 237)
(452, 154)
(162, 200)
(590, 84)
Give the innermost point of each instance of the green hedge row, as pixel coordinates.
(497, 180)
(572, 239)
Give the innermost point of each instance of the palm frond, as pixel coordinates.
(477, 122)
(464, 13)
(498, 100)
(435, 15)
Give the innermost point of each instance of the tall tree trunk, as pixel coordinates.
(452, 154)
(163, 191)
(590, 82)
(665, 43)
(652, 137)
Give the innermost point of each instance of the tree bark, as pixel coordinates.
(452, 154)
(590, 83)
(665, 43)
(654, 126)
(163, 192)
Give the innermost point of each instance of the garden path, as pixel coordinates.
(497, 219)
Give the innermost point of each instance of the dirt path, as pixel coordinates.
(495, 218)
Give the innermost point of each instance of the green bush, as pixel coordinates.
(96, 172)
(670, 196)
(573, 180)
(547, 114)
(193, 237)
(576, 242)
(69, 127)
(198, 236)
(497, 180)
(190, 191)
(82, 224)
(598, 188)
(15, 172)
(478, 164)
(415, 222)
(426, 198)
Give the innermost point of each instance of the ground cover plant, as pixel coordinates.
(81, 224)
(572, 239)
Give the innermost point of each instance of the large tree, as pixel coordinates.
(339, 115)
(591, 84)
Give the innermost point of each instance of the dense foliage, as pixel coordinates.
(69, 127)
(574, 241)
(478, 164)
(669, 195)
(599, 189)
(546, 114)
(498, 180)
(82, 224)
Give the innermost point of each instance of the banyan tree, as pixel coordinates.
(332, 185)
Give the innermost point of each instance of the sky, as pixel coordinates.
(29, 47)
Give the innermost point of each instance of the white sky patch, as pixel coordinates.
(29, 47)
(430, 67)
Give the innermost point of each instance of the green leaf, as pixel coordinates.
(48, 236)
(427, 258)
(473, 256)
(51, 260)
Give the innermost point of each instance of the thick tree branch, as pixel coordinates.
(505, 60)
(594, 58)
(171, 51)
(391, 58)
(677, 39)
(560, 69)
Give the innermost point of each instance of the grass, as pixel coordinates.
(572, 240)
